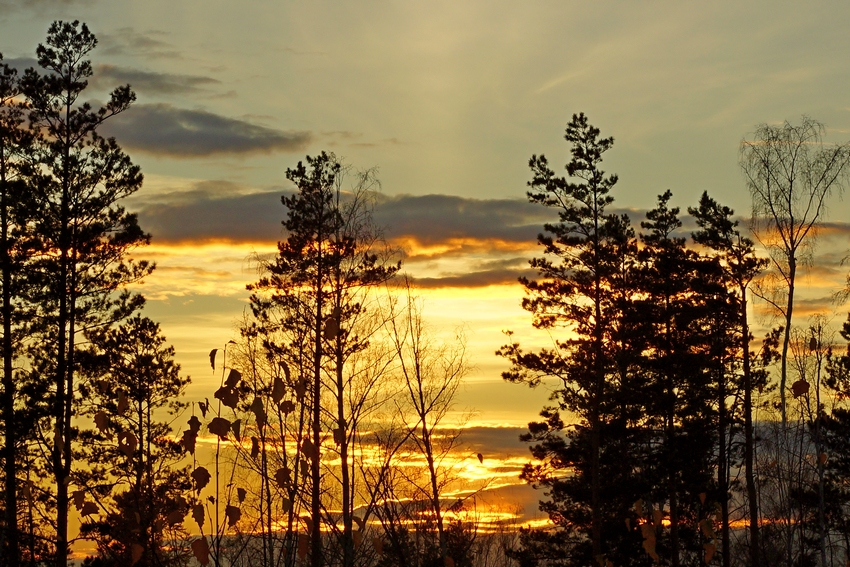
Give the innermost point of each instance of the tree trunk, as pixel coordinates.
(749, 438)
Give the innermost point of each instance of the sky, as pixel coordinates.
(448, 100)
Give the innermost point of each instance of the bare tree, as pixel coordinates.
(790, 172)
(431, 373)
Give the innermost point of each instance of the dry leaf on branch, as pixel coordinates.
(194, 424)
(127, 443)
(201, 550)
(136, 552)
(303, 545)
(123, 402)
(228, 396)
(233, 514)
(287, 407)
(255, 447)
(88, 509)
(212, 358)
(378, 544)
(278, 390)
(710, 548)
(282, 477)
(800, 388)
(203, 406)
(233, 378)
(259, 411)
(202, 478)
(241, 493)
(219, 426)
(236, 427)
(198, 515)
(102, 423)
(175, 517)
(188, 440)
(79, 498)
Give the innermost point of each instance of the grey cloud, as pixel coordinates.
(207, 213)
(20, 64)
(130, 42)
(435, 218)
(109, 76)
(163, 129)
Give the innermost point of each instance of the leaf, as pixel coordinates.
(194, 423)
(203, 406)
(287, 505)
(300, 390)
(813, 344)
(241, 493)
(127, 443)
(450, 562)
(233, 378)
(175, 517)
(198, 515)
(358, 538)
(282, 477)
(201, 550)
(278, 390)
(648, 532)
(303, 545)
(259, 411)
(707, 528)
(339, 435)
(255, 447)
(628, 524)
(228, 396)
(308, 449)
(286, 372)
(710, 548)
(79, 497)
(361, 523)
(657, 516)
(287, 407)
(188, 440)
(800, 388)
(236, 427)
(88, 509)
(102, 423)
(219, 426)
(136, 552)
(639, 508)
(123, 403)
(822, 458)
(212, 363)
(233, 514)
(331, 329)
(201, 477)
(480, 458)
(305, 468)
(702, 496)
(378, 544)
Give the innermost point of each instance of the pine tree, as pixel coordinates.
(84, 235)
(582, 289)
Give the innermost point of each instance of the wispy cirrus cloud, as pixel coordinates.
(166, 130)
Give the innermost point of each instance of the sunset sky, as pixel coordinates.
(448, 100)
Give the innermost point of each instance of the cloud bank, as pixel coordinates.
(165, 130)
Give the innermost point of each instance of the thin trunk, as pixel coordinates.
(62, 372)
(315, 536)
(723, 471)
(347, 527)
(12, 552)
(749, 438)
(786, 339)
(595, 420)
